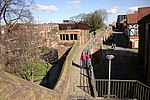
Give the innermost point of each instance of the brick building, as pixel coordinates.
(144, 44)
(27, 33)
(72, 32)
(69, 33)
(44, 30)
(132, 29)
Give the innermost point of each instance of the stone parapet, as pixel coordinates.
(15, 88)
(62, 84)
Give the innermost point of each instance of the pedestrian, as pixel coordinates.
(84, 58)
(113, 46)
(94, 34)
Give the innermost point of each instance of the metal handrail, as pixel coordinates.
(123, 89)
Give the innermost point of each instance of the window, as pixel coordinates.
(75, 36)
(61, 37)
(67, 37)
(71, 36)
(64, 37)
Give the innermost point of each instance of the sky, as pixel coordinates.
(46, 11)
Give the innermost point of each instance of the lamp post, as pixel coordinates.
(109, 57)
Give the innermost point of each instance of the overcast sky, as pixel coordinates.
(57, 10)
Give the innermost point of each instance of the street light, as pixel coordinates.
(109, 57)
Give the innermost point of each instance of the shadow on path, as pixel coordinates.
(77, 65)
(83, 78)
(85, 82)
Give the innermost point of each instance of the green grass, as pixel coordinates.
(40, 71)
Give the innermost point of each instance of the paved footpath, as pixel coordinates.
(79, 82)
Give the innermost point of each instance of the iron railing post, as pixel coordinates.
(109, 77)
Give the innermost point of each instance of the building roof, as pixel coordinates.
(138, 15)
(73, 26)
(142, 12)
(132, 18)
(145, 19)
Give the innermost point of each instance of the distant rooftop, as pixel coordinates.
(68, 21)
(69, 26)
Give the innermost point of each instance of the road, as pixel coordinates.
(124, 65)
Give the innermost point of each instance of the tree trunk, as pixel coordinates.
(32, 78)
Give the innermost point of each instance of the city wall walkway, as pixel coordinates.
(72, 83)
(79, 87)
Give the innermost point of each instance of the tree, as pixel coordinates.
(25, 60)
(11, 12)
(79, 18)
(103, 13)
(30, 42)
(95, 20)
(20, 42)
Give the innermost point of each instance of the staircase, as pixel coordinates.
(123, 89)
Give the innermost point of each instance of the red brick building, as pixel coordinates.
(132, 29)
(144, 44)
(69, 33)
(45, 30)
(29, 31)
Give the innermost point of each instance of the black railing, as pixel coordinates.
(123, 89)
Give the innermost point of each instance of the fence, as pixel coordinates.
(123, 89)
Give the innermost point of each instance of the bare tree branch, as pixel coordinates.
(11, 12)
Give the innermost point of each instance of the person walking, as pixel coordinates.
(84, 58)
(113, 46)
(94, 34)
